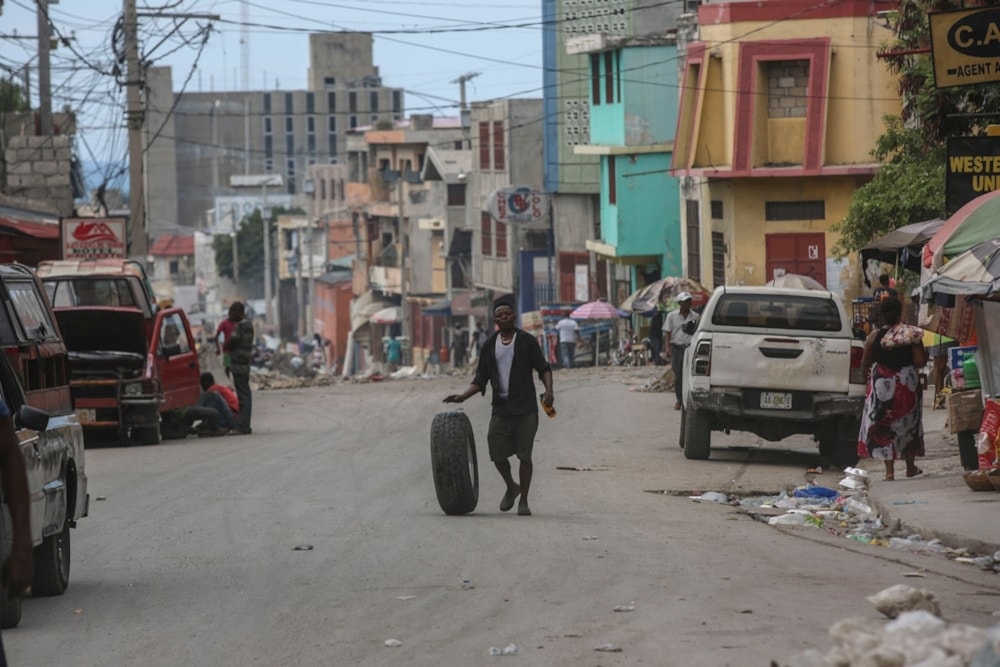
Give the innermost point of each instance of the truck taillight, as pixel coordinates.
(702, 358)
(857, 373)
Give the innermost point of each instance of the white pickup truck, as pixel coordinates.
(775, 362)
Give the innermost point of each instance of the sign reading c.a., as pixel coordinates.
(965, 46)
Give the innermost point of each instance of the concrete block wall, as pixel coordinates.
(38, 168)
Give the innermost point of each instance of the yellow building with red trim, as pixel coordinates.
(781, 104)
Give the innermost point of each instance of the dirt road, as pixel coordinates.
(319, 537)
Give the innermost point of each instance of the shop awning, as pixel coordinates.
(441, 308)
(363, 308)
(39, 230)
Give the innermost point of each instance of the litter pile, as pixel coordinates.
(916, 636)
(846, 512)
(661, 384)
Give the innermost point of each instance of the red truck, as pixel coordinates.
(131, 363)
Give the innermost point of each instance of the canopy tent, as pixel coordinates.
(438, 308)
(661, 294)
(595, 310)
(974, 272)
(795, 281)
(902, 246)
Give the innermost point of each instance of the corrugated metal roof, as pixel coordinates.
(172, 246)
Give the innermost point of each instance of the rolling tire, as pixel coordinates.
(680, 435)
(697, 435)
(147, 435)
(10, 610)
(52, 559)
(453, 460)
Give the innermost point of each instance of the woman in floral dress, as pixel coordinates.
(892, 421)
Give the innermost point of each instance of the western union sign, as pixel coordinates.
(965, 46)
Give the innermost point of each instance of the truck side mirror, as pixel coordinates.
(31, 417)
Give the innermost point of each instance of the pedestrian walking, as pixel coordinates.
(569, 338)
(459, 345)
(17, 563)
(240, 347)
(506, 363)
(393, 353)
(656, 337)
(677, 330)
(892, 421)
(223, 332)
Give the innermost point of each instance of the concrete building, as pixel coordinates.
(507, 151)
(781, 105)
(197, 140)
(633, 117)
(402, 258)
(574, 178)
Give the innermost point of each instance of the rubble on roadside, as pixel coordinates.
(664, 383)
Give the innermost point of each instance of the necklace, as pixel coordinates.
(506, 339)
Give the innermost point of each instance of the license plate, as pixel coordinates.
(775, 401)
(86, 415)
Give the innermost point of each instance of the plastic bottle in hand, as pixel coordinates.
(550, 409)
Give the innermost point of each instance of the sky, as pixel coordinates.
(420, 45)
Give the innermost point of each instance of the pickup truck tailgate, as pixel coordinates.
(781, 362)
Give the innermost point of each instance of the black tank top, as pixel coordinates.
(894, 358)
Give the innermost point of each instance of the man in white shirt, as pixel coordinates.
(569, 337)
(677, 330)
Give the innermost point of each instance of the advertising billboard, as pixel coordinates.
(93, 238)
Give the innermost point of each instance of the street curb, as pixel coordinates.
(954, 540)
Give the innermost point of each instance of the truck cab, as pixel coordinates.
(34, 383)
(131, 363)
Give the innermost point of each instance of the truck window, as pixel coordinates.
(30, 310)
(173, 336)
(89, 292)
(790, 313)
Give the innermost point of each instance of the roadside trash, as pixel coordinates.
(982, 562)
(814, 471)
(393, 642)
(856, 479)
(711, 496)
(896, 599)
(815, 492)
(608, 648)
(581, 468)
(590, 537)
(467, 584)
(78, 611)
(913, 574)
(761, 501)
(909, 502)
(407, 597)
(855, 506)
(794, 519)
(626, 607)
(510, 649)
(302, 547)
(99, 498)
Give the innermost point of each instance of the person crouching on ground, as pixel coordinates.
(506, 362)
(892, 421)
(220, 398)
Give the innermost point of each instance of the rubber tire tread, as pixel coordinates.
(10, 611)
(697, 435)
(49, 578)
(452, 445)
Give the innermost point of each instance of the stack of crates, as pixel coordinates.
(865, 314)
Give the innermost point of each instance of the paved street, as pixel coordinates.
(189, 555)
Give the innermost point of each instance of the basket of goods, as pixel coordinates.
(993, 475)
(978, 480)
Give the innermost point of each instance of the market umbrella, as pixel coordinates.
(663, 294)
(390, 315)
(979, 220)
(974, 272)
(595, 310)
(795, 281)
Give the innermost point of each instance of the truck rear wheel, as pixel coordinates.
(52, 558)
(453, 460)
(839, 452)
(147, 435)
(697, 434)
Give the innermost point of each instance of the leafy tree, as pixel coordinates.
(250, 250)
(910, 186)
(12, 97)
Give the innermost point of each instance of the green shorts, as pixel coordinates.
(511, 435)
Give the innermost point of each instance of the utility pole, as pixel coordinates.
(44, 70)
(466, 118)
(404, 277)
(265, 215)
(134, 116)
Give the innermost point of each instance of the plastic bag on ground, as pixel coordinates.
(896, 599)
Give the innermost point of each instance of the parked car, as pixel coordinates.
(774, 362)
(34, 378)
(131, 363)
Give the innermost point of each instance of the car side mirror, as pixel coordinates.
(32, 417)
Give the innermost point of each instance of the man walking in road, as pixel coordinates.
(677, 330)
(506, 362)
(240, 347)
(569, 338)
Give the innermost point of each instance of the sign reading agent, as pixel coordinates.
(93, 238)
(965, 46)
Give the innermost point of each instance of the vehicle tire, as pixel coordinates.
(147, 435)
(52, 558)
(680, 435)
(453, 460)
(10, 610)
(697, 434)
(839, 453)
